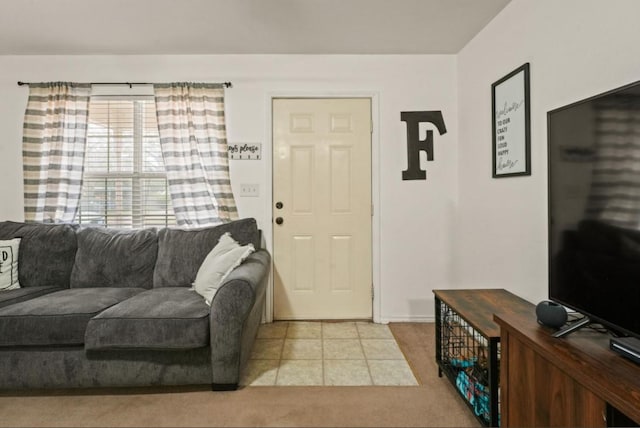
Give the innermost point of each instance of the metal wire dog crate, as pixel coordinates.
(467, 354)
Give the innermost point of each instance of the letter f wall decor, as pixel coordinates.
(415, 145)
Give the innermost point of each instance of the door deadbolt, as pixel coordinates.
(279, 205)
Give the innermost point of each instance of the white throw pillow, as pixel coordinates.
(225, 256)
(9, 264)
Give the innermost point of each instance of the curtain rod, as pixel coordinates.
(226, 84)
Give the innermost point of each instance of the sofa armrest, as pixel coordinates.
(236, 311)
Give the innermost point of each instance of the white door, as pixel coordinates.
(322, 208)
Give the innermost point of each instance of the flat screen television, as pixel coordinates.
(594, 208)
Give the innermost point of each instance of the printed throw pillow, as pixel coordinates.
(9, 264)
(221, 260)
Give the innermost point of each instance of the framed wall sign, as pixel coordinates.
(511, 124)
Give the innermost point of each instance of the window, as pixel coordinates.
(125, 184)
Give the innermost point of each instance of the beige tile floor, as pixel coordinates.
(326, 353)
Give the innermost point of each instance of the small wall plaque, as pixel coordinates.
(245, 151)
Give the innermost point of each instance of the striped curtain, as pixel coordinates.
(614, 197)
(53, 146)
(194, 148)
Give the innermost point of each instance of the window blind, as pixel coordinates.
(125, 184)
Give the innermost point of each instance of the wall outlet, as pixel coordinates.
(249, 190)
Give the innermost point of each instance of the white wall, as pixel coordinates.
(576, 48)
(414, 217)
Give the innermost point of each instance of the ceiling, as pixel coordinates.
(84, 27)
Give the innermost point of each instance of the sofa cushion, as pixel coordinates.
(58, 318)
(162, 318)
(115, 258)
(47, 252)
(9, 297)
(9, 264)
(181, 252)
(225, 256)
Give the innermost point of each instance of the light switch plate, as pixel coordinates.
(250, 190)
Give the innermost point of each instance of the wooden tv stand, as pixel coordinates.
(570, 381)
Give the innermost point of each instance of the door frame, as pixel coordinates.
(267, 153)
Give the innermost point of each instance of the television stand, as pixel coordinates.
(576, 325)
(574, 382)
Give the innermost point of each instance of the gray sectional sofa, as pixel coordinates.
(110, 308)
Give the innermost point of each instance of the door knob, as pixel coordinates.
(279, 205)
(279, 220)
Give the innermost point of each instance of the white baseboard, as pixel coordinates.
(387, 320)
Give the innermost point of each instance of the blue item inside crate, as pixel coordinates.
(475, 393)
(463, 363)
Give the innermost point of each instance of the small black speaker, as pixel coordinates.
(551, 314)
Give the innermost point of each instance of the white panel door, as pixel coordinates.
(322, 208)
